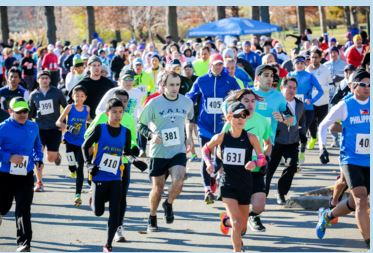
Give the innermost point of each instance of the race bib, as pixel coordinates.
(300, 97)
(71, 161)
(262, 106)
(110, 163)
(214, 105)
(19, 169)
(362, 145)
(234, 156)
(46, 107)
(170, 137)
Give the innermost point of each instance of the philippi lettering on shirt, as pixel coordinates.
(359, 119)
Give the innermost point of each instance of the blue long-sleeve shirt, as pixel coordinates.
(306, 82)
(17, 139)
(252, 57)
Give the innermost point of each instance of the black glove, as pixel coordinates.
(135, 151)
(324, 156)
(92, 169)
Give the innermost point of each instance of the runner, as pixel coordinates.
(77, 115)
(354, 113)
(13, 89)
(112, 141)
(167, 113)
(20, 151)
(236, 148)
(45, 103)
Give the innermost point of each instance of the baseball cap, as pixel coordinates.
(137, 61)
(237, 108)
(216, 58)
(43, 73)
(334, 49)
(259, 70)
(93, 58)
(299, 59)
(128, 74)
(228, 53)
(333, 39)
(77, 61)
(188, 65)
(18, 104)
(175, 62)
(359, 75)
(50, 47)
(246, 43)
(349, 67)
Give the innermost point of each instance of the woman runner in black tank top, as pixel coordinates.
(236, 149)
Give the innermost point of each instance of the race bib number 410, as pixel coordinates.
(110, 163)
(362, 145)
(234, 156)
(214, 105)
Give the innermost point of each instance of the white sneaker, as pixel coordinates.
(118, 235)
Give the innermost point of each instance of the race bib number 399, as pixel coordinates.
(46, 107)
(19, 169)
(110, 163)
(234, 156)
(214, 105)
(362, 145)
(171, 137)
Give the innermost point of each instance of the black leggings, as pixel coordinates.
(320, 114)
(79, 170)
(125, 184)
(103, 191)
(310, 114)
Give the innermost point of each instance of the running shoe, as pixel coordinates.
(73, 174)
(311, 143)
(58, 159)
(255, 224)
(242, 247)
(281, 199)
(223, 228)
(119, 235)
(213, 184)
(194, 158)
(301, 158)
(39, 187)
(168, 212)
(107, 248)
(209, 197)
(77, 200)
(152, 224)
(323, 222)
(24, 248)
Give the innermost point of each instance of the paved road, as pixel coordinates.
(59, 226)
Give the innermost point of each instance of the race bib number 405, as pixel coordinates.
(110, 163)
(19, 169)
(171, 137)
(214, 105)
(46, 107)
(234, 156)
(362, 145)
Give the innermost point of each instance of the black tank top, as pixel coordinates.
(235, 153)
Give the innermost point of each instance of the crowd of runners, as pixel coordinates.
(251, 105)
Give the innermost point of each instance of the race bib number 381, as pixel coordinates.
(214, 105)
(171, 137)
(362, 145)
(234, 156)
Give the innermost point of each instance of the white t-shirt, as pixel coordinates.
(324, 77)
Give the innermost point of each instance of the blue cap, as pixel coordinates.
(137, 61)
(299, 59)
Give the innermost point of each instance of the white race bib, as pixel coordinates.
(71, 161)
(46, 107)
(262, 106)
(19, 169)
(300, 97)
(362, 145)
(234, 156)
(110, 163)
(170, 137)
(214, 105)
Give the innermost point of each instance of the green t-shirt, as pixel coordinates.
(201, 67)
(144, 82)
(257, 125)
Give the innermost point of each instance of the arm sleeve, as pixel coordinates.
(144, 130)
(37, 152)
(32, 113)
(4, 156)
(92, 138)
(316, 84)
(337, 113)
(128, 144)
(63, 101)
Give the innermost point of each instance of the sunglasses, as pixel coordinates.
(240, 115)
(22, 112)
(361, 84)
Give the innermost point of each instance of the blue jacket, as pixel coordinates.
(212, 91)
(306, 82)
(17, 139)
(253, 58)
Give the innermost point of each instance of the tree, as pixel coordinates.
(235, 11)
(171, 15)
(301, 19)
(255, 14)
(347, 11)
(4, 23)
(90, 22)
(322, 20)
(220, 12)
(354, 11)
(51, 24)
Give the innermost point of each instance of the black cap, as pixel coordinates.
(44, 73)
(188, 65)
(175, 62)
(237, 108)
(349, 67)
(127, 73)
(263, 67)
(359, 75)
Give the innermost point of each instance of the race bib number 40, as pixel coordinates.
(214, 105)
(362, 145)
(234, 156)
(46, 107)
(110, 163)
(170, 137)
(19, 169)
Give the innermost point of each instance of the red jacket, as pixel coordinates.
(50, 62)
(354, 57)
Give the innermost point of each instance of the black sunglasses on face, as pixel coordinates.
(240, 115)
(22, 112)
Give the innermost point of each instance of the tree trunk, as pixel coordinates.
(235, 11)
(347, 16)
(323, 25)
(4, 24)
(301, 19)
(354, 20)
(118, 36)
(172, 22)
(220, 12)
(367, 12)
(255, 13)
(51, 24)
(264, 16)
(90, 22)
